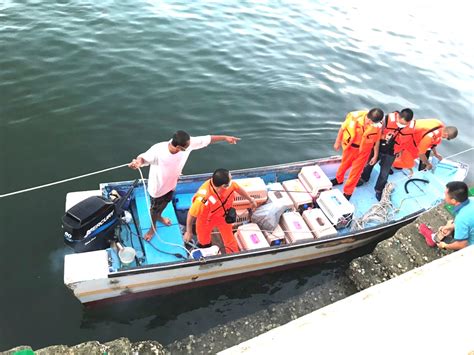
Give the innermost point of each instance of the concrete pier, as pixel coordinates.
(428, 310)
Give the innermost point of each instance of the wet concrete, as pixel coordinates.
(405, 251)
(118, 346)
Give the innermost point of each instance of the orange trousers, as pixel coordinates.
(204, 228)
(355, 159)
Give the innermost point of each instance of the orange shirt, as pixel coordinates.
(206, 203)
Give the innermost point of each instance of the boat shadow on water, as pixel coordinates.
(200, 309)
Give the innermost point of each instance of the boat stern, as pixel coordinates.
(83, 268)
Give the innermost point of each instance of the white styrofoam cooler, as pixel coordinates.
(277, 237)
(336, 207)
(298, 193)
(250, 237)
(278, 195)
(318, 223)
(295, 227)
(314, 180)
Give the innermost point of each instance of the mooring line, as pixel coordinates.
(121, 166)
(62, 181)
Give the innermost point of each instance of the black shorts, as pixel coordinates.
(158, 204)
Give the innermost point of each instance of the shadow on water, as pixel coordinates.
(197, 310)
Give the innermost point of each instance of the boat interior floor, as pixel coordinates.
(409, 196)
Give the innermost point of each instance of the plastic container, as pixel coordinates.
(318, 223)
(250, 237)
(255, 187)
(295, 227)
(127, 255)
(336, 207)
(314, 180)
(298, 194)
(277, 237)
(205, 252)
(278, 195)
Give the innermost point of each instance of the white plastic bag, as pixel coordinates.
(268, 215)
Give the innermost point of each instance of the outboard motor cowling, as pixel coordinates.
(90, 224)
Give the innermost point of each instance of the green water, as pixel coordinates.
(87, 85)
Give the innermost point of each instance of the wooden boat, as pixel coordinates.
(163, 265)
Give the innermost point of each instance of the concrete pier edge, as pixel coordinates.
(403, 252)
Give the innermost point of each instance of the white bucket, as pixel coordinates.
(127, 255)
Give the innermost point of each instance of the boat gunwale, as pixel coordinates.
(362, 234)
(270, 250)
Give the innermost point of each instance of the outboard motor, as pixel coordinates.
(90, 224)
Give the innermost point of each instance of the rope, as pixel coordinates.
(151, 219)
(381, 212)
(464, 151)
(61, 181)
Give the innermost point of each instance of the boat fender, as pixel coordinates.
(415, 179)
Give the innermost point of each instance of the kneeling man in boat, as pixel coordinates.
(167, 160)
(212, 207)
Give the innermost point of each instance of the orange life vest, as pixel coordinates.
(357, 133)
(430, 127)
(402, 137)
(211, 203)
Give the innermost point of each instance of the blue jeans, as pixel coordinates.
(386, 161)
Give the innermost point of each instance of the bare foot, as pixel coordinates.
(164, 220)
(149, 234)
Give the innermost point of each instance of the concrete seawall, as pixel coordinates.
(404, 315)
(427, 310)
(404, 251)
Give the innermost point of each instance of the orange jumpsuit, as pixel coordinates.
(209, 213)
(358, 139)
(428, 134)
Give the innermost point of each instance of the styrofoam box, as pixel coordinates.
(295, 227)
(318, 223)
(297, 192)
(276, 237)
(336, 207)
(278, 195)
(255, 187)
(314, 180)
(250, 237)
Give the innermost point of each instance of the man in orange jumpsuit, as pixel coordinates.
(209, 208)
(428, 135)
(397, 134)
(358, 135)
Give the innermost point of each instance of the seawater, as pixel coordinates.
(87, 85)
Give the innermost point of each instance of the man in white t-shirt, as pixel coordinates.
(166, 160)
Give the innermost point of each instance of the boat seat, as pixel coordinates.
(182, 203)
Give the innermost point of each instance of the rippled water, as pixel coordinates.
(86, 85)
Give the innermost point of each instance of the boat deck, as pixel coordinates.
(168, 246)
